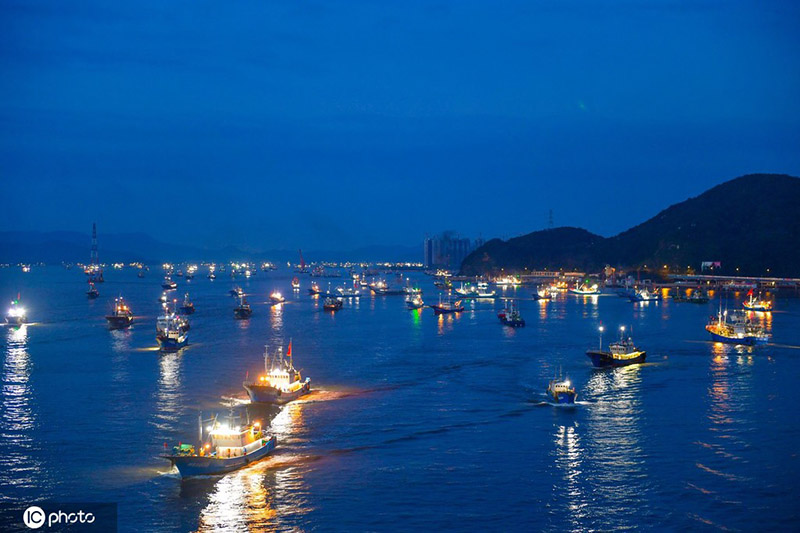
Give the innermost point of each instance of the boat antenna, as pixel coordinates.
(200, 427)
(266, 356)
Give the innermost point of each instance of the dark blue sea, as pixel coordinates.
(417, 422)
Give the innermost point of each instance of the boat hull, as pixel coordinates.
(206, 466)
(562, 397)
(749, 340)
(15, 320)
(119, 322)
(513, 323)
(267, 394)
(242, 314)
(172, 345)
(446, 310)
(606, 359)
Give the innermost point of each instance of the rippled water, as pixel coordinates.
(416, 421)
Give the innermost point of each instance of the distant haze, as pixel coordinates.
(335, 125)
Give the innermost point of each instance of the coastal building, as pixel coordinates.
(448, 250)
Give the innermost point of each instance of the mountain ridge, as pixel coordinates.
(751, 224)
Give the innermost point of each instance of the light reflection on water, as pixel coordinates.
(614, 442)
(263, 496)
(17, 465)
(169, 393)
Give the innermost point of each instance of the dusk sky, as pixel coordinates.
(340, 124)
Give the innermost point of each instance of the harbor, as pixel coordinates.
(395, 392)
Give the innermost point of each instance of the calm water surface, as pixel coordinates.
(416, 421)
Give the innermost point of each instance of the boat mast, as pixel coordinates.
(601, 338)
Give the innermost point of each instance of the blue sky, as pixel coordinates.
(340, 124)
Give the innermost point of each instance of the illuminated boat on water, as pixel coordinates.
(295, 283)
(121, 316)
(508, 281)
(510, 316)
(229, 448)
(414, 302)
(280, 383)
(168, 284)
(236, 291)
(620, 353)
(16, 314)
(643, 295)
(188, 306)
(172, 331)
(276, 297)
(754, 303)
(584, 289)
(314, 289)
(347, 292)
(561, 391)
(243, 311)
(446, 306)
(332, 303)
(92, 293)
(736, 329)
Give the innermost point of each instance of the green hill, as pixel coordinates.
(751, 222)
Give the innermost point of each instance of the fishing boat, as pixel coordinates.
(211, 275)
(295, 283)
(735, 328)
(561, 391)
(542, 293)
(381, 288)
(508, 281)
(462, 290)
(332, 304)
(314, 289)
(754, 303)
(347, 292)
(276, 297)
(412, 291)
(644, 295)
(92, 293)
(236, 291)
(414, 302)
(695, 297)
(168, 284)
(584, 289)
(188, 306)
(16, 314)
(482, 291)
(446, 306)
(172, 331)
(121, 316)
(243, 310)
(228, 448)
(510, 316)
(280, 383)
(620, 353)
